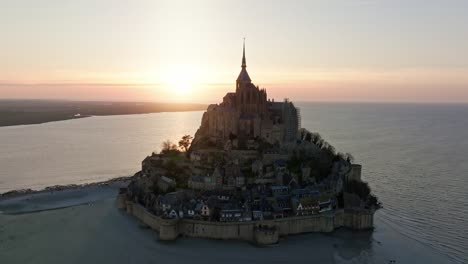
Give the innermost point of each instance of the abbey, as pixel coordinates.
(250, 174)
(248, 114)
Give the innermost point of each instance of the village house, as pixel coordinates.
(231, 215)
(205, 211)
(305, 206)
(282, 205)
(198, 182)
(267, 178)
(325, 203)
(305, 193)
(165, 183)
(257, 168)
(257, 215)
(173, 214)
(189, 209)
(162, 203)
(195, 156)
(150, 165)
(278, 190)
(270, 156)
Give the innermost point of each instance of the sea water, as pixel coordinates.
(414, 156)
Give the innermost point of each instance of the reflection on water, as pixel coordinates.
(85, 150)
(353, 244)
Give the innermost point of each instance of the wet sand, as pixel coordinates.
(95, 231)
(67, 196)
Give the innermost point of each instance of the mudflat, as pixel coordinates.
(87, 227)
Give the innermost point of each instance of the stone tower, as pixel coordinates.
(249, 98)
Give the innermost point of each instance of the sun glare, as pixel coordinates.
(180, 79)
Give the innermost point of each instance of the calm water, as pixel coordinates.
(415, 158)
(85, 150)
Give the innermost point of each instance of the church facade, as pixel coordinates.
(248, 115)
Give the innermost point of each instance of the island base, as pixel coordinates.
(259, 232)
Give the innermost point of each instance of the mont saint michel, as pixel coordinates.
(249, 173)
(233, 132)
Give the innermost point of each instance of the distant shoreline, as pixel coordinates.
(40, 120)
(59, 196)
(29, 112)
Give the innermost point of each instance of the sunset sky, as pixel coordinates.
(191, 50)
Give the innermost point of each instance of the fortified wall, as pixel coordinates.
(261, 232)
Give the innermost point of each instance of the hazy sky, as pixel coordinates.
(191, 50)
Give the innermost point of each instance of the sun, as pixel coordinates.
(180, 79)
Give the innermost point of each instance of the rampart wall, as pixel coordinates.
(170, 229)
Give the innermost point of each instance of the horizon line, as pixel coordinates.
(208, 103)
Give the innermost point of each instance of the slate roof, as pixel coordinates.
(244, 76)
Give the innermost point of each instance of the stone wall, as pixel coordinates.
(358, 219)
(354, 173)
(140, 212)
(121, 201)
(170, 229)
(217, 230)
(306, 224)
(266, 236)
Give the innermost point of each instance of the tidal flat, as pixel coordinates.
(85, 226)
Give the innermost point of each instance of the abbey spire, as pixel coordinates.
(243, 56)
(243, 75)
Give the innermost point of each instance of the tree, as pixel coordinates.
(330, 149)
(360, 188)
(168, 146)
(320, 143)
(325, 145)
(339, 156)
(184, 143)
(349, 158)
(302, 133)
(316, 137)
(373, 202)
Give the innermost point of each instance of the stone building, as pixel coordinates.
(247, 114)
(165, 183)
(354, 173)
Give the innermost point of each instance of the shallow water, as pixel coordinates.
(99, 233)
(414, 157)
